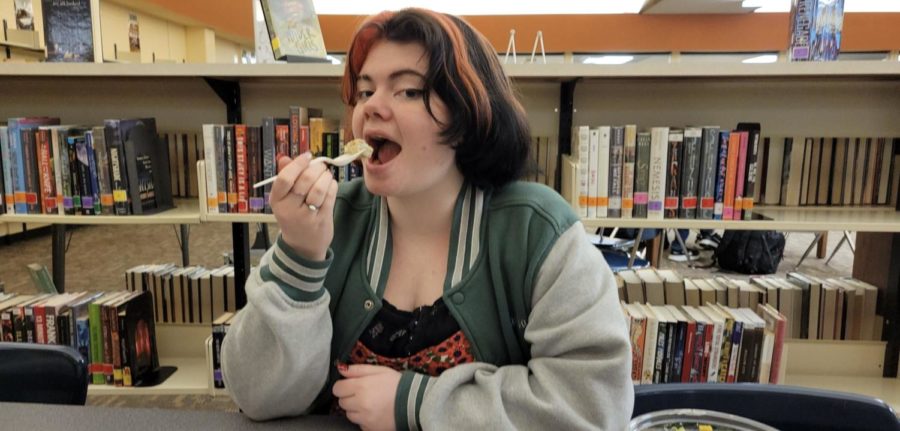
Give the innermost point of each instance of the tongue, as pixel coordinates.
(388, 151)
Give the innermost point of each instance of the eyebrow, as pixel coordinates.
(394, 75)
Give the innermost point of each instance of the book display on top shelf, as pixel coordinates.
(71, 30)
(294, 31)
(815, 30)
(731, 171)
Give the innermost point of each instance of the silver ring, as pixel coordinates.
(312, 207)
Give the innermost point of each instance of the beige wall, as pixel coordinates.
(226, 50)
(167, 39)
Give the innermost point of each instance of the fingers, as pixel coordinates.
(343, 389)
(363, 370)
(327, 207)
(317, 194)
(308, 178)
(290, 170)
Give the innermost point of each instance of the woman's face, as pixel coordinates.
(390, 115)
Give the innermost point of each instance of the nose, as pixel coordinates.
(377, 106)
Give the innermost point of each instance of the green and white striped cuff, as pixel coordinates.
(299, 278)
(410, 393)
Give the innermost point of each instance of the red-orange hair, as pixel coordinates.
(487, 125)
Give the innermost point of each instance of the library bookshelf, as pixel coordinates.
(788, 99)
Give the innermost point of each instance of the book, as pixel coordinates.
(628, 170)
(752, 168)
(673, 173)
(641, 175)
(294, 31)
(146, 161)
(815, 30)
(690, 172)
(41, 278)
(71, 30)
(659, 137)
(721, 174)
(616, 161)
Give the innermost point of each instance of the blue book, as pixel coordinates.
(719, 207)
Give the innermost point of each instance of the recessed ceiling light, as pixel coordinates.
(608, 59)
(765, 58)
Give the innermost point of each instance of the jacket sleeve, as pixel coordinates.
(579, 373)
(275, 356)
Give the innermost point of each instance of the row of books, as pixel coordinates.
(816, 308)
(185, 294)
(829, 171)
(694, 172)
(219, 330)
(708, 173)
(238, 156)
(118, 168)
(710, 343)
(113, 331)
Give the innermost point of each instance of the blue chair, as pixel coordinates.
(37, 373)
(779, 406)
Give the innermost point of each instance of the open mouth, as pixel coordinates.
(384, 150)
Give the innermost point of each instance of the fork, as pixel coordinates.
(342, 160)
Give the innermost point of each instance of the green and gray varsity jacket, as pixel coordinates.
(535, 298)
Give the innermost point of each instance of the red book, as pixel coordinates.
(734, 145)
(45, 171)
(240, 159)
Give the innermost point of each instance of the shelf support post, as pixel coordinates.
(566, 117)
(59, 257)
(230, 93)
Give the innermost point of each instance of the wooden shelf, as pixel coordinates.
(185, 212)
(190, 378)
(858, 219)
(839, 69)
(239, 218)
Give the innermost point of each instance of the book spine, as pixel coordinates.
(241, 168)
(221, 168)
(117, 169)
(800, 25)
(616, 162)
(734, 146)
(741, 174)
(84, 171)
(45, 170)
(304, 138)
(8, 163)
(628, 170)
(94, 172)
(269, 163)
(254, 168)
(17, 168)
(593, 156)
(230, 171)
(294, 135)
(582, 157)
(752, 174)
(673, 173)
(708, 168)
(642, 175)
(75, 172)
(721, 175)
(61, 170)
(603, 168)
(96, 345)
(658, 155)
(32, 178)
(101, 156)
(690, 172)
(209, 154)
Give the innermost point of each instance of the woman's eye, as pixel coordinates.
(412, 93)
(363, 94)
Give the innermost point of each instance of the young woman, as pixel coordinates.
(459, 297)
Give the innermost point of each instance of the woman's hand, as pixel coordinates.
(302, 199)
(367, 394)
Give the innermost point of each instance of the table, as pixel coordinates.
(46, 417)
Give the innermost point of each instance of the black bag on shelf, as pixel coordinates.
(750, 251)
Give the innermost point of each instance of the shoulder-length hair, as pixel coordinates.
(487, 127)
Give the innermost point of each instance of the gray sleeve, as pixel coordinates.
(276, 353)
(579, 373)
